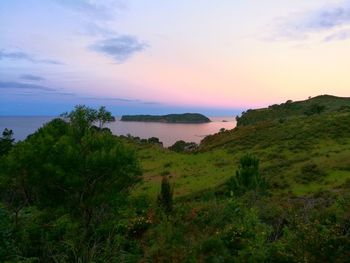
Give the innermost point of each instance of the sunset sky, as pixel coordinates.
(148, 56)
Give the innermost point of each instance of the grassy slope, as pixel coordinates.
(200, 216)
(292, 109)
(283, 149)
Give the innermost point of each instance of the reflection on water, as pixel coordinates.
(168, 133)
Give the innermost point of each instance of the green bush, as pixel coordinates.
(310, 172)
(165, 198)
(247, 176)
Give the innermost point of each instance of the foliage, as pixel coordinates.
(171, 118)
(316, 105)
(154, 140)
(165, 198)
(310, 172)
(103, 117)
(7, 246)
(182, 146)
(247, 176)
(70, 178)
(73, 196)
(6, 141)
(315, 109)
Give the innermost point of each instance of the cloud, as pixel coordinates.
(326, 19)
(112, 99)
(338, 36)
(120, 48)
(138, 101)
(19, 55)
(152, 103)
(98, 10)
(23, 86)
(31, 77)
(29, 89)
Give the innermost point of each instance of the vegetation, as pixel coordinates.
(165, 198)
(170, 118)
(182, 146)
(63, 186)
(6, 141)
(270, 191)
(247, 176)
(289, 109)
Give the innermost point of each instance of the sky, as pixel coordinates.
(158, 57)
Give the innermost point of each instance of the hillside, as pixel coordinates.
(294, 208)
(306, 162)
(283, 148)
(170, 118)
(289, 109)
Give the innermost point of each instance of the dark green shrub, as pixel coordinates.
(247, 176)
(165, 198)
(315, 109)
(154, 140)
(182, 146)
(6, 141)
(310, 172)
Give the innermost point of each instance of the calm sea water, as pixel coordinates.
(168, 133)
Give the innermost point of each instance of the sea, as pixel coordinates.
(168, 133)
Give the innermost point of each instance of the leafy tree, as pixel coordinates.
(6, 141)
(104, 117)
(165, 198)
(247, 176)
(81, 119)
(53, 171)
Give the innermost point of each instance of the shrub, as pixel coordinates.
(165, 198)
(310, 172)
(182, 146)
(6, 141)
(315, 109)
(247, 176)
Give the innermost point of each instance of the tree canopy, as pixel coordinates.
(83, 179)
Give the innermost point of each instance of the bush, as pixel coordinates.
(310, 172)
(315, 109)
(182, 146)
(247, 176)
(165, 198)
(6, 141)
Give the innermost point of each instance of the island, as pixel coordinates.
(170, 118)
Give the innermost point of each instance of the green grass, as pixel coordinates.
(291, 109)
(188, 172)
(332, 181)
(283, 149)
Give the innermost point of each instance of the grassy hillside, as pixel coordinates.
(296, 211)
(289, 109)
(306, 162)
(283, 149)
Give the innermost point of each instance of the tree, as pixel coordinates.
(81, 119)
(247, 176)
(104, 117)
(6, 141)
(165, 198)
(52, 170)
